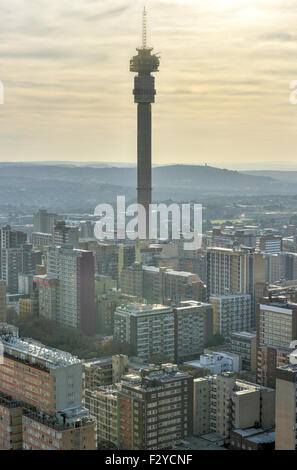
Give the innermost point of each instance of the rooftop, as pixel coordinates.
(137, 308)
(36, 350)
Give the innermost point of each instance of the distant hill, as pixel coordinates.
(67, 186)
(278, 175)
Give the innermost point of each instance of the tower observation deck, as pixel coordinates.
(144, 63)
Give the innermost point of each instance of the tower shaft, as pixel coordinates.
(144, 157)
(144, 63)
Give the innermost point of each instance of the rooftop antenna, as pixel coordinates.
(144, 29)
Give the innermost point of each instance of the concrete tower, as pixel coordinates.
(144, 63)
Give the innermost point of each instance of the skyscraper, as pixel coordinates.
(73, 295)
(144, 63)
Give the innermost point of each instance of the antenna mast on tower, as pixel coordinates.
(144, 29)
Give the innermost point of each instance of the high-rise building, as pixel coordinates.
(270, 243)
(45, 388)
(231, 313)
(103, 404)
(75, 296)
(151, 409)
(10, 239)
(285, 410)
(158, 285)
(234, 271)
(244, 343)
(276, 328)
(193, 329)
(16, 261)
(148, 329)
(44, 221)
(222, 403)
(112, 258)
(2, 297)
(41, 240)
(47, 296)
(144, 63)
(87, 229)
(65, 235)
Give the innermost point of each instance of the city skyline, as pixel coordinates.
(223, 91)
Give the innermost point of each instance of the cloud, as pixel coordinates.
(282, 37)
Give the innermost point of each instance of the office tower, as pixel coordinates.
(193, 329)
(25, 283)
(270, 243)
(65, 235)
(291, 266)
(2, 297)
(48, 385)
(276, 267)
(276, 328)
(244, 343)
(44, 221)
(75, 272)
(222, 403)
(231, 313)
(87, 229)
(16, 261)
(149, 410)
(148, 329)
(41, 240)
(285, 410)
(10, 239)
(144, 94)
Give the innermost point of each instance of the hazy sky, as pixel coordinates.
(222, 90)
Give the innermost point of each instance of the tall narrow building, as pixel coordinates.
(144, 63)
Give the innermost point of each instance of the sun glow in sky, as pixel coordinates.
(222, 90)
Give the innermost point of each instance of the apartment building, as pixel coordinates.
(16, 261)
(286, 416)
(75, 295)
(11, 411)
(73, 430)
(222, 403)
(148, 329)
(2, 296)
(244, 343)
(231, 313)
(45, 385)
(41, 240)
(47, 287)
(103, 404)
(234, 270)
(44, 221)
(159, 284)
(193, 328)
(65, 234)
(276, 328)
